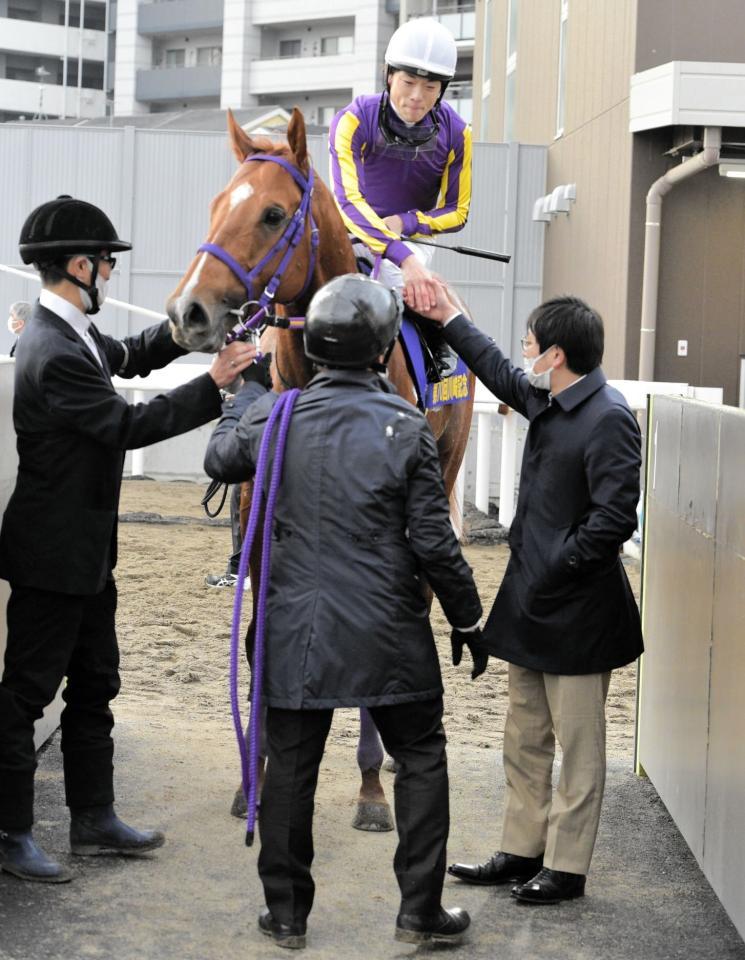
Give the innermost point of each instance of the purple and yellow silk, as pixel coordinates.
(431, 192)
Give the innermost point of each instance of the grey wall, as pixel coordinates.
(692, 684)
(156, 186)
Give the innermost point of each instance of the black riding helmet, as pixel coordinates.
(62, 228)
(351, 321)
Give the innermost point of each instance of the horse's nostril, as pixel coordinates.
(195, 316)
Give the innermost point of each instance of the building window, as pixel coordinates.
(511, 73)
(209, 56)
(562, 79)
(326, 115)
(290, 48)
(331, 46)
(175, 58)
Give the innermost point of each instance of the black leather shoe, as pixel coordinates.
(447, 926)
(550, 886)
(290, 935)
(20, 856)
(97, 830)
(501, 868)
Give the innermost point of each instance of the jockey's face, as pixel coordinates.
(412, 97)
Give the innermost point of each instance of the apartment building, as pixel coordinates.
(578, 75)
(51, 63)
(232, 53)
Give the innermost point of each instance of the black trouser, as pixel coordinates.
(413, 735)
(50, 636)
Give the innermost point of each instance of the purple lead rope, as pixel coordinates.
(281, 411)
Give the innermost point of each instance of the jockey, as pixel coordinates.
(401, 165)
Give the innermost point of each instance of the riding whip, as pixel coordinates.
(467, 251)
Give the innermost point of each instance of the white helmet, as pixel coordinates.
(423, 47)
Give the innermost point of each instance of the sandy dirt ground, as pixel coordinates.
(174, 631)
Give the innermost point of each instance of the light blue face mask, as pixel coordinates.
(541, 381)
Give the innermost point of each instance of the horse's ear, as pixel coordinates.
(240, 141)
(296, 138)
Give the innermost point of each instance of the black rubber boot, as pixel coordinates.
(23, 858)
(439, 359)
(96, 831)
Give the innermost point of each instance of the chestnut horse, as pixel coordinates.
(247, 219)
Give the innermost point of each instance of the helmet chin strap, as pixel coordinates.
(91, 290)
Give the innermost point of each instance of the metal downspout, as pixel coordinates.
(708, 157)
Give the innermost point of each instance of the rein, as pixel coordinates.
(281, 411)
(288, 242)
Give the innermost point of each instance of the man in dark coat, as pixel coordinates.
(361, 519)
(58, 538)
(564, 616)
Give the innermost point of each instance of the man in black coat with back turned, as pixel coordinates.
(58, 538)
(361, 518)
(564, 616)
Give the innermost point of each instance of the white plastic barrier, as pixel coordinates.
(486, 406)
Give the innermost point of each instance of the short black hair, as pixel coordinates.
(51, 270)
(571, 324)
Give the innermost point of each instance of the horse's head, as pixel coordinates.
(247, 219)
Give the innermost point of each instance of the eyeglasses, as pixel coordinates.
(525, 343)
(107, 259)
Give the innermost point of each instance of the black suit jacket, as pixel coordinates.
(59, 528)
(565, 604)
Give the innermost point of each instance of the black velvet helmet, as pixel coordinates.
(67, 226)
(351, 321)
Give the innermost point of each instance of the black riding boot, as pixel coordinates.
(439, 358)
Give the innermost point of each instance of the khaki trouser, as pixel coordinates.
(544, 707)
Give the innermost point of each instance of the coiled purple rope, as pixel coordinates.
(281, 411)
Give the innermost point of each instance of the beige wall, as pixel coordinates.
(709, 30)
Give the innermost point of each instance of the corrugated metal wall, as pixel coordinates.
(156, 186)
(692, 688)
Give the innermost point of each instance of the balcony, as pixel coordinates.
(48, 39)
(178, 83)
(22, 96)
(179, 16)
(268, 12)
(460, 21)
(310, 74)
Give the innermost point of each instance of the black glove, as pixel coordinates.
(259, 371)
(474, 640)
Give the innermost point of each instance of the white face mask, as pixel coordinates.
(102, 286)
(541, 381)
(14, 326)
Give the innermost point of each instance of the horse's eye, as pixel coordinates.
(274, 216)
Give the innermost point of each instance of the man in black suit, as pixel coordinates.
(58, 537)
(564, 616)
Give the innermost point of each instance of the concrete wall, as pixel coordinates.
(692, 683)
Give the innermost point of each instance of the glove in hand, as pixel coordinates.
(474, 640)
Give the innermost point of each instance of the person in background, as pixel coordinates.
(565, 615)
(18, 314)
(401, 168)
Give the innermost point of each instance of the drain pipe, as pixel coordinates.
(708, 157)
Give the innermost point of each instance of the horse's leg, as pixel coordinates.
(373, 812)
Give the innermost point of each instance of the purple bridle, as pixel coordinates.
(288, 242)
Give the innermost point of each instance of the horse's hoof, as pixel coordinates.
(240, 807)
(373, 816)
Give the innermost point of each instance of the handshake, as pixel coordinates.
(474, 640)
